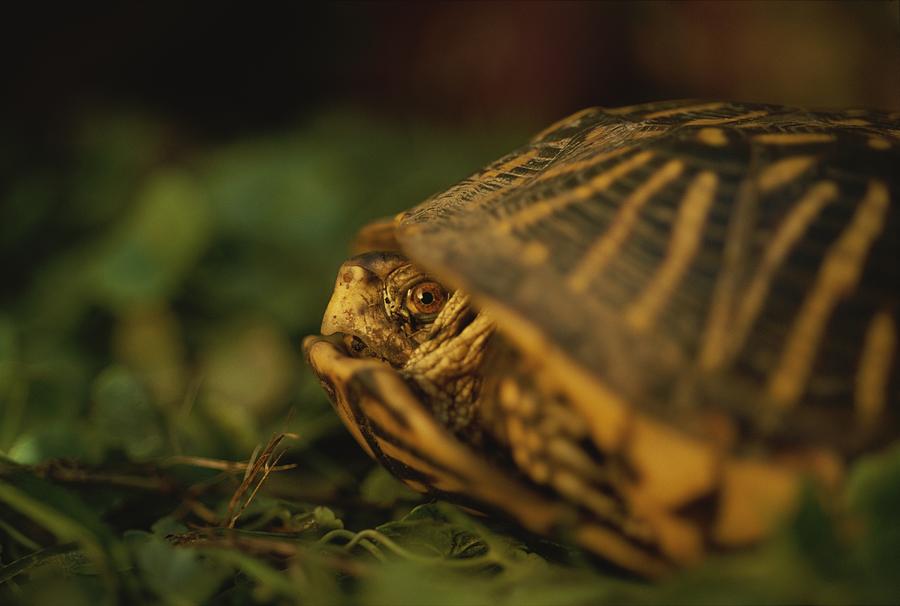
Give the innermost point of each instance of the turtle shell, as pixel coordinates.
(703, 262)
(705, 296)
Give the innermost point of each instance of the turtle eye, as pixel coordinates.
(426, 298)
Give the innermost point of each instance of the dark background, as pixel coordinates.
(221, 71)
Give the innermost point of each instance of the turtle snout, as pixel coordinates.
(350, 302)
(349, 311)
(356, 313)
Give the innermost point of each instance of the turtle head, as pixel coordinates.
(386, 308)
(383, 307)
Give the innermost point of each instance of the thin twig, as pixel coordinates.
(258, 469)
(218, 464)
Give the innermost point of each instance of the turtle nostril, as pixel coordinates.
(357, 345)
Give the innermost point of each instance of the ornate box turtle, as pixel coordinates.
(643, 330)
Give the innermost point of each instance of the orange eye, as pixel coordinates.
(426, 298)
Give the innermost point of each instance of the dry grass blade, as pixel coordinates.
(257, 471)
(221, 464)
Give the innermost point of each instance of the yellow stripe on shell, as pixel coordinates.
(576, 166)
(786, 236)
(672, 469)
(535, 253)
(687, 109)
(544, 208)
(637, 132)
(851, 122)
(572, 486)
(683, 246)
(565, 452)
(439, 479)
(837, 277)
(793, 138)
(729, 120)
(490, 176)
(714, 137)
(754, 497)
(565, 121)
(873, 374)
(516, 161)
(604, 249)
(617, 549)
(783, 171)
(680, 539)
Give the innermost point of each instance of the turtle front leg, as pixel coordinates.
(398, 430)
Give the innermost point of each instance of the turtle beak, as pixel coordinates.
(357, 312)
(352, 300)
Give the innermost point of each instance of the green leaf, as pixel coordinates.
(874, 492)
(60, 438)
(13, 384)
(179, 576)
(148, 254)
(9, 355)
(382, 489)
(326, 520)
(427, 530)
(36, 558)
(168, 525)
(69, 519)
(407, 584)
(58, 510)
(124, 414)
(269, 581)
(812, 533)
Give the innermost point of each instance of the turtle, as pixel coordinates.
(646, 331)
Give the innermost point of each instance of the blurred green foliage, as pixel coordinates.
(162, 289)
(157, 291)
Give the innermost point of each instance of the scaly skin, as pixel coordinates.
(439, 357)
